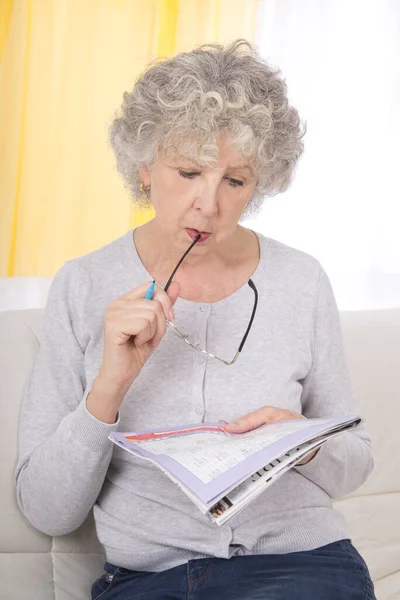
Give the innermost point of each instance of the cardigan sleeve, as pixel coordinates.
(344, 462)
(63, 450)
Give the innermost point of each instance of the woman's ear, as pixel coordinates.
(144, 174)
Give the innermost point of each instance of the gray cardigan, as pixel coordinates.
(294, 358)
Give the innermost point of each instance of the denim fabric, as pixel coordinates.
(333, 572)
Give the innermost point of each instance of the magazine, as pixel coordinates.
(222, 472)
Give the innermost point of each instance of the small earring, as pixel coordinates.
(144, 189)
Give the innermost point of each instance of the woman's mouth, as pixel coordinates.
(193, 233)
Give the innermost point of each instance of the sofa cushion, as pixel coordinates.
(65, 567)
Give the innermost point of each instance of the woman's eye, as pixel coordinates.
(192, 174)
(187, 174)
(235, 182)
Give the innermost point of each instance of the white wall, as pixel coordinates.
(340, 59)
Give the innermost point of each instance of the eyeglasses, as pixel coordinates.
(196, 346)
(185, 336)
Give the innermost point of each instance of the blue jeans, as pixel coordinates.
(332, 572)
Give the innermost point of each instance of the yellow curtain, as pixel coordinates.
(64, 66)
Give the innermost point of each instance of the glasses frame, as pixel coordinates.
(185, 336)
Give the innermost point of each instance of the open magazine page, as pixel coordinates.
(245, 489)
(241, 488)
(207, 462)
(240, 496)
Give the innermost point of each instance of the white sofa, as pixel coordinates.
(38, 567)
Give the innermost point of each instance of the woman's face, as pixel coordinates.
(188, 198)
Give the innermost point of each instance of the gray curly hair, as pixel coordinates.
(189, 98)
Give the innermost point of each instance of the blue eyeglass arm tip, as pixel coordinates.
(150, 291)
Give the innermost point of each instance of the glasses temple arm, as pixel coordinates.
(253, 287)
(178, 265)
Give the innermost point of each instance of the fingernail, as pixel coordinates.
(233, 424)
(171, 315)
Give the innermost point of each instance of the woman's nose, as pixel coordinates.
(207, 201)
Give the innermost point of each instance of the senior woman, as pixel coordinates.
(203, 136)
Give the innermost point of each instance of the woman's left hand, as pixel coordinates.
(262, 416)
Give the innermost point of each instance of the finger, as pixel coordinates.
(123, 330)
(262, 416)
(142, 307)
(127, 315)
(243, 424)
(138, 292)
(148, 330)
(167, 299)
(161, 327)
(159, 296)
(173, 291)
(147, 309)
(252, 420)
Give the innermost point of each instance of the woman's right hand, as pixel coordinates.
(133, 328)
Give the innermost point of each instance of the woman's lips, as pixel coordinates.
(193, 233)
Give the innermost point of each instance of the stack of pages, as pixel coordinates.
(222, 472)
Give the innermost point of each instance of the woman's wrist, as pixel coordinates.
(104, 400)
